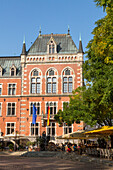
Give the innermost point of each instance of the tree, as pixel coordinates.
(94, 103)
(104, 3)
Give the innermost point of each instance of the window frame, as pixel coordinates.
(50, 127)
(67, 81)
(14, 71)
(51, 47)
(11, 108)
(10, 128)
(67, 128)
(0, 108)
(53, 108)
(10, 89)
(51, 82)
(35, 87)
(37, 106)
(34, 127)
(1, 86)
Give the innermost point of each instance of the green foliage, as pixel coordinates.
(104, 3)
(29, 143)
(11, 146)
(100, 73)
(94, 103)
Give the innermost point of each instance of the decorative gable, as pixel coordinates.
(13, 70)
(1, 70)
(51, 46)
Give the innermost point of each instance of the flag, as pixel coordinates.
(34, 115)
(48, 116)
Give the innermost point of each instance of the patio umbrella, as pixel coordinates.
(104, 130)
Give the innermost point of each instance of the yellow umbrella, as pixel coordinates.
(103, 130)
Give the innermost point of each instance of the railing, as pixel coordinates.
(45, 116)
(103, 153)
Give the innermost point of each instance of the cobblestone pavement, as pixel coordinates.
(45, 163)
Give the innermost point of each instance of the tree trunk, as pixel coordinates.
(111, 140)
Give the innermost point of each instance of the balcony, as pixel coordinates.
(45, 117)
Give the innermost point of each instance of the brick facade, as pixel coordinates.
(23, 97)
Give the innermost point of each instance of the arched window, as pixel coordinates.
(53, 107)
(67, 81)
(35, 82)
(12, 71)
(51, 81)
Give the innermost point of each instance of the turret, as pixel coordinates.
(24, 48)
(80, 46)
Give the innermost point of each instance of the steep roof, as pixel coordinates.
(64, 43)
(7, 62)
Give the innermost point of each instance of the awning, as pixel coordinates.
(104, 130)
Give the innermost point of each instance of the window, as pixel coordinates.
(65, 105)
(34, 129)
(11, 109)
(67, 81)
(37, 105)
(51, 82)
(0, 89)
(1, 71)
(12, 72)
(35, 82)
(51, 129)
(53, 107)
(67, 129)
(51, 48)
(10, 128)
(11, 89)
(0, 109)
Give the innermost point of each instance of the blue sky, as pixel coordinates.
(24, 17)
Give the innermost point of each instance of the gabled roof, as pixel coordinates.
(7, 62)
(64, 42)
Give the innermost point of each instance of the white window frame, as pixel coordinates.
(30, 83)
(62, 80)
(50, 127)
(1, 108)
(35, 126)
(64, 126)
(11, 111)
(14, 129)
(12, 89)
(13, 67)
(51, 83)
(1, 86)
(36, 104)
(49, 106)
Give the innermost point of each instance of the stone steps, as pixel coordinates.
(39, 154)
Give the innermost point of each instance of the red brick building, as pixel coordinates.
(45, 75)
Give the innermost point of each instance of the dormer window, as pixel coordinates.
(1, 71)
(13, 71)
(51, 46)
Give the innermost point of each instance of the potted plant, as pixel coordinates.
(11, 147)
(30, 145)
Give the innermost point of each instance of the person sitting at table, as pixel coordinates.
(69, 149)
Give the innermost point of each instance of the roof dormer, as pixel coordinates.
(1, 70)
(51, 46)
(13, 70)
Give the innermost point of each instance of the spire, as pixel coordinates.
(40, 31)
(68, 30)
(24, 47)
(80, 45)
